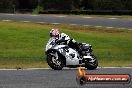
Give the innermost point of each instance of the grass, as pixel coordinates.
(22, 44)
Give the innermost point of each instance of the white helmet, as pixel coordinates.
(64, 36)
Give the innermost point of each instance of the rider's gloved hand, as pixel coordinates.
(61, 41)
(57, 42)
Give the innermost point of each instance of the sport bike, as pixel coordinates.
(61, 55)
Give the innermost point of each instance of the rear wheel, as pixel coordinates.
(91, 63)
(54, 61)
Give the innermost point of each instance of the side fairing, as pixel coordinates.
(71, 56)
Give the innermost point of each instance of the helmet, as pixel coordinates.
(54, 33)
(64, 36)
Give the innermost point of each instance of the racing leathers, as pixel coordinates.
(66, 39)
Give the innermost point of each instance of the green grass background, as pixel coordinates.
(22, 44)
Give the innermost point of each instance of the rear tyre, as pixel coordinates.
(54, 61)
(91, 64)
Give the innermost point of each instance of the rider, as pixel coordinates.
(62, 37)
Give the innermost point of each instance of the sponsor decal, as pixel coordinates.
(83, 78)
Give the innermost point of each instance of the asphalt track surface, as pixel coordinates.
(48, 78)
(65, 78)
(105, 22)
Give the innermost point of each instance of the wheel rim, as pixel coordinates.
(55, 59)
(92, 61)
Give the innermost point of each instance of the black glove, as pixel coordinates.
(61, 41)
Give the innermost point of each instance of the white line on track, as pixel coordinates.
(6, 20)
(114, 67)
(112, 18)
(41, 22)
(34, 15)
(130, 29)
(10, 14)
(26, 21)
(73, 24)
(55, 23)
(87, 17)
(60, 16)
(63, 68)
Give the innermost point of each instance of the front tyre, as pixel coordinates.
(91, 63)
(54, 61)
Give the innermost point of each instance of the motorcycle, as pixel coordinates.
(61, 55)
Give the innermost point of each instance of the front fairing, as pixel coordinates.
(71, 55)
(50, 44)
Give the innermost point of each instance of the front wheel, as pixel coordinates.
(54, 61)
(91, 63)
